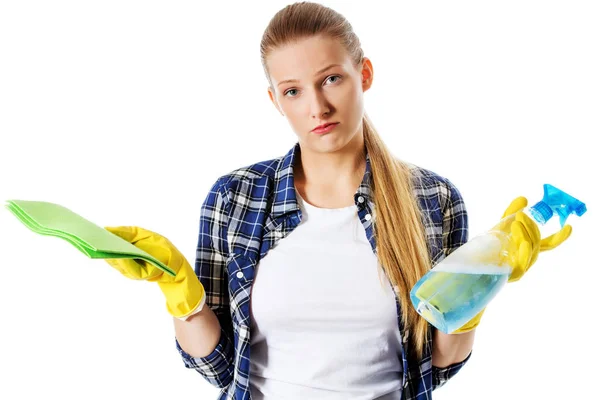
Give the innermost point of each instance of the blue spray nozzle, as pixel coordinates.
(556, 201)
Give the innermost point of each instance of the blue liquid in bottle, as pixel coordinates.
(449, 299)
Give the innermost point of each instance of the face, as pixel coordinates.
(315, 82)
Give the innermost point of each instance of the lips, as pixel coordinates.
(325, 127)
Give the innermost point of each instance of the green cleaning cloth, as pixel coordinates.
(92, 240)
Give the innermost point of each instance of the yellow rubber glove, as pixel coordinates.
(526, 246)
(184, 292)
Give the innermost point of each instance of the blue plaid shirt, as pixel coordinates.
(247, 211)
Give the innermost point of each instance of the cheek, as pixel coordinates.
(291, 111)
(352, 98)
(352, 92)
(294, 116)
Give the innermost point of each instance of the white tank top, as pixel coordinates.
(324, 323)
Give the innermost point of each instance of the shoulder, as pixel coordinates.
(430, 186)
(262, 172)
(258, 170)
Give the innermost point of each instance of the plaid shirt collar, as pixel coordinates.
(284, 184)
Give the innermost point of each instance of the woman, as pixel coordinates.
(305, 262)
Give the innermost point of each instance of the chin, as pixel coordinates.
(328, 143)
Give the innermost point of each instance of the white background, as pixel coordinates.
(127, 111)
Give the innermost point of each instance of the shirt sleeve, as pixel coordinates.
(455, 233)
(443, 375)
(455, 224)
(211, 269)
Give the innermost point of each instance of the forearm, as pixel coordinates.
(451, 349)
(200, 334)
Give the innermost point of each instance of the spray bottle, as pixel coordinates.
(462, 284)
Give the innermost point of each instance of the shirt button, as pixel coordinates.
(368, 217)
(361, 199)
(240, 275)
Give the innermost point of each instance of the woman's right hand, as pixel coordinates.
(184, 293)
(526, 240)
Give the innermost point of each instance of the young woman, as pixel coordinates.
(305, 262)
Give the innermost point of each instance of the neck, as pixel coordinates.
(337, 170)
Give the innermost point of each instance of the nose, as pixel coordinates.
(319, 105)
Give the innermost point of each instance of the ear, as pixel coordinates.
(273, 98)
(367, 74)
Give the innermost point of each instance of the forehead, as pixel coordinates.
(303, 58)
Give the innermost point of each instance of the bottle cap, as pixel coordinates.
(557, 202)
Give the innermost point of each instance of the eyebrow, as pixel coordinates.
(318, 72)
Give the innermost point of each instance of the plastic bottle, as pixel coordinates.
(462, 284)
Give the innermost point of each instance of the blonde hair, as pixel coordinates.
(399, 230)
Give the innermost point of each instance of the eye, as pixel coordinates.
(333, 76)
(288, 91)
